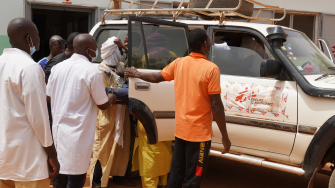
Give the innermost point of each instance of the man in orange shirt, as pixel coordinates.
(197, 100)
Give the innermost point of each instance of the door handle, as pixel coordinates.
(140, 86)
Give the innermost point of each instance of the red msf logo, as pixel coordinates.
(242, 96)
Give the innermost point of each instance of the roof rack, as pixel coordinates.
(223, 14)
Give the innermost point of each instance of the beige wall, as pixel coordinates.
(263, 14)
(325, 6)
(8, 12)
(329, 29)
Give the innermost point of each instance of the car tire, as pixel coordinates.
(332, 180)
(246, 8)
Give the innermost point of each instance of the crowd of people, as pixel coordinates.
(64, 116)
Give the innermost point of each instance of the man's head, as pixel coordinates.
(23, 34)
(199, 41)
(69, 49)
(70, 39)
(57, 45)
(85, 45)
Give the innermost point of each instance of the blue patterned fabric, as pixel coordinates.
(43, 62)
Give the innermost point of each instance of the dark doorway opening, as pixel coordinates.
(59, 21)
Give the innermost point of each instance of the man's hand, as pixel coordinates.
(226, 144)
(153, 77)
(219, 116)
(52, 161)
(117, 72)
(130, 72)
(120, 44)
(53, 167)
(111, 100)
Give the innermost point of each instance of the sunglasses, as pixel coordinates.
(59, 42)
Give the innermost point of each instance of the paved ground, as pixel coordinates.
(223, 173)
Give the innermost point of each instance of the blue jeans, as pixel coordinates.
(69, 181)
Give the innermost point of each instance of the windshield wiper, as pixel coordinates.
(325, 75)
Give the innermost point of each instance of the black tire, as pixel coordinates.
(246, 8)
(332, 180)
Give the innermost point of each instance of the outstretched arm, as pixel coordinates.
(153, 77)
(219, 116)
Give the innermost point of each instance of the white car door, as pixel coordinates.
(153, 44)
(261, 113)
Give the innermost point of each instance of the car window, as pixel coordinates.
(137, 49)
(238, 53)
(104, 35)
(163, 45)
(305, 55)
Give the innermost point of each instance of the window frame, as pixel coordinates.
(327, 46)
(153, 21)
(211, 32)
(102, 28)
(316, 21)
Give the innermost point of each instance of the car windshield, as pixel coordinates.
(305, 55)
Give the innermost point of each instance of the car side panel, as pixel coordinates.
(264, 138)
(301, 144)
(160, 98)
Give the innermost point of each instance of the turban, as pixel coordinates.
(156, 40)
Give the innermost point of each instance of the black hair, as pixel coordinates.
(196, 39)
(70, 39)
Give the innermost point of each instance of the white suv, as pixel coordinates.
(277, 87)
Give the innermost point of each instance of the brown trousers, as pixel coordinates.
(45, 183)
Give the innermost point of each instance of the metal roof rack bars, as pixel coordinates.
(222, 14)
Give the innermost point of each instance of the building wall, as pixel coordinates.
(325, 6)
(328, 31)
(8, 12)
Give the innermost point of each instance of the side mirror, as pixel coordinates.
(270, 68)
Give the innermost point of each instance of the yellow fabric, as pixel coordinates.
(153, 182)
(45, 183)
(104, 140)
(172, 57)
(151, 160)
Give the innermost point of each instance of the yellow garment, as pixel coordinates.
(45, 183)
(154, 182)
(151, 160)
(172, 57)
(104, 140)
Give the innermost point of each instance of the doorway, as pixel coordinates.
(60, 21)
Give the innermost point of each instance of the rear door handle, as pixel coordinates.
(140, 86)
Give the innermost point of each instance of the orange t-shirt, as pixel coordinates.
(195, 79)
